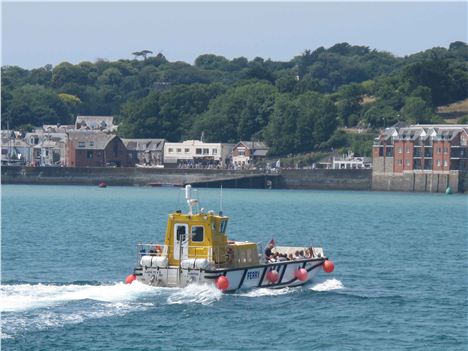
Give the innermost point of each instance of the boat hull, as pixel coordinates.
(239, 278)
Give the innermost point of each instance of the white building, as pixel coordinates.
(196, 153)
(351, 162)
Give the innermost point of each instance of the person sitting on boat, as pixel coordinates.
(310, 252)
(301, 255)
(282, 257)
(274, 257)
(291, 257)
(296, 255)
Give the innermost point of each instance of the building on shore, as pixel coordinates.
(96, 123)
(96, 149)
(421, 148)
(15, 151)
(351, 162)
(197, 154)
(245, 154)
(146, 152)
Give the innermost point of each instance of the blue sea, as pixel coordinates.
(400, 279)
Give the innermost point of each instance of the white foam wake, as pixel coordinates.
(328, 285)
(267, 292)
(21, 297)
(195, 293)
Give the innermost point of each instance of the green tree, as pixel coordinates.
(416, 110)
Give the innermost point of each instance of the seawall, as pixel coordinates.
(287, 179)
(421, 182)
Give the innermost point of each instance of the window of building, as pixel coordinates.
(439, 150)
(400, 162)
(89, 155)
(91, 143)
(170, 150)
(81, 144)
(197, 233)
(407, 149)
(214, 151)
(407, 163)
(438, 163)
(198, 151)
(206, 151)
(445, 163)
(187, 150)
(178, 150)
(445, 150)
(400, 150)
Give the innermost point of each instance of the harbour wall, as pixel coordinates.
(287, 179)
(421, 182)
(352, 179)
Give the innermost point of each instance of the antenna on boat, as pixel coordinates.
(190, 202)
(221, 199)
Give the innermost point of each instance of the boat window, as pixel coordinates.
(223, 226)
(197, 233)
(180, 232)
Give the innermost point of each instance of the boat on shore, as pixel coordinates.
(197, 250)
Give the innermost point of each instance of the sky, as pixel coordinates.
(38, 33)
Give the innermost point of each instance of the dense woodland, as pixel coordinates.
(295, 107)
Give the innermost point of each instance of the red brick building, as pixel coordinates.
(437, 148)
(96, 149)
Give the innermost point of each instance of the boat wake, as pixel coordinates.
(23, 297)
(328, 285)
(199, 294)
(29, 307)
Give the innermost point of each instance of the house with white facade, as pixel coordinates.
(197, 154)
(246, 153)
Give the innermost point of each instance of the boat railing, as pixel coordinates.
(217, 255)
(152, 249)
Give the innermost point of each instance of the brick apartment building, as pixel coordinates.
(418, 148)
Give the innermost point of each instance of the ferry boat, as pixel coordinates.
(197, 250)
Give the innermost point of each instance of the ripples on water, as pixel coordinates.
(400, 279)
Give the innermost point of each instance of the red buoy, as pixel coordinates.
(328, 266)
(130, 278)
(272, 276)
(301, 274)
(222, 282)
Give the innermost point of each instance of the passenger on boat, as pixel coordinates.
(282, 257)
(291, 257)
(296, 255)
(268, 251)
(301, 255)
(310, 252)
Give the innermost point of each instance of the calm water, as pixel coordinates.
(400, 281)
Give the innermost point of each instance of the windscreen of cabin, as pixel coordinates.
(222, 230)
(197, 233)
(181, 231)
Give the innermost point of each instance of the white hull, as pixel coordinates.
(240, 278)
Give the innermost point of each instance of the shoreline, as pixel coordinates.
(311, 179)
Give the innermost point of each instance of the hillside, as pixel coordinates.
(296, 106)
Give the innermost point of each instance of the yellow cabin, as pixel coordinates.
(203, 237)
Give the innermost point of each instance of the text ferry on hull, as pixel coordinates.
(197, 250)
